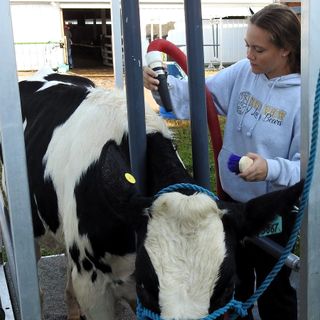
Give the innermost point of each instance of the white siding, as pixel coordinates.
(37, 33)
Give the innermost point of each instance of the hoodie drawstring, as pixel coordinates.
(245, 111)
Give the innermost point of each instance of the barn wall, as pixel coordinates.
(37, 31)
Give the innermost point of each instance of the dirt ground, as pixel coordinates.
(102, 77)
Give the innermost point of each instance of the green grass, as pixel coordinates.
(182, 139)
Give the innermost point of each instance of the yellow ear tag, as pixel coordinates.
(130, 178)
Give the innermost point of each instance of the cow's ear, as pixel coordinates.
(259, 212)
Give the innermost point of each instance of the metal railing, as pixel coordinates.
(16, 226)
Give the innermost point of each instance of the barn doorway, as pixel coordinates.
(91, 37)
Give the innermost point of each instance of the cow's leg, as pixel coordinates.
(95, 294)
(71, 301)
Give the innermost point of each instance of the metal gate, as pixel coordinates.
(16, 224)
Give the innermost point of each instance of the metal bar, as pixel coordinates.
(6, 310)
(220, 37)
(7, 239)
(276, 250)
(134, 89)
(309, 307)
(213, 38)
(198, 114)
(16, 174)
(117, 43)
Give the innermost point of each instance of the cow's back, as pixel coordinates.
(45, 106)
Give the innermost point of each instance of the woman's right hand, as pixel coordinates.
(257, 171)
(149, 79)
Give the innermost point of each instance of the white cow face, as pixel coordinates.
(185, 265)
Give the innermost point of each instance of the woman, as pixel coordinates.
(260, 97)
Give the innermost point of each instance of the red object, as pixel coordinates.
(213, 122)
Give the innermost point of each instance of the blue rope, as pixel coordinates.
(144, 313)
(188, 186)
(239, 307)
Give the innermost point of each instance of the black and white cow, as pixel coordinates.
(82, 192)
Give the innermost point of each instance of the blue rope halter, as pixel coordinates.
(239, 307)
(188, 186)
(146, 314)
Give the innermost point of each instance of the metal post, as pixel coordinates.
(221, 40)
(198, 113)
(134, 89)
(117, 43)
(276, 250)
(213, 38)
(309, 307)
(16, 175)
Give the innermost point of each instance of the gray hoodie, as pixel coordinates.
(263, 116)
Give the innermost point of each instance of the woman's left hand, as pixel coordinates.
(257, 171)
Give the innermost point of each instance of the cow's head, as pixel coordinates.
(185, 267)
